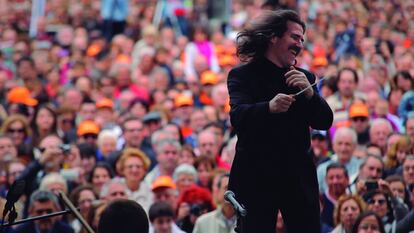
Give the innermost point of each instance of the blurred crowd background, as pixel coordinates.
(108, 99)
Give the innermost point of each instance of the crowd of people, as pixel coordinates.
(127, 99)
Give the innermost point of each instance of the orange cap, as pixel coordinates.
(105, 103)
(88, 127)
(209, 77)
(183, 100)
(227, 60)
(93, 50)
(21, 95)
(319, 61)
(163, 182)
(122, 58)
(358, 110)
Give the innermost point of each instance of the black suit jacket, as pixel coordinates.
(272, 147)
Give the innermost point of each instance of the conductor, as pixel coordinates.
(272, 170)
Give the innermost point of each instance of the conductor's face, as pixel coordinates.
(285, 49)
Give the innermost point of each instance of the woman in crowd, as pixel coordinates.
(368, 222)
(83, 197)
(397, 153)
(44, 123)
(346, 211)
(386, 207)
(192, 203)
(133, 164)
(17, 127)
(205, 168)
(100, 174)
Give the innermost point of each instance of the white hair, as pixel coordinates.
(115, 180)
(185, 169)
(159, 147)
(106, 133)
(51, 178)
(380, 121)
(346, 131)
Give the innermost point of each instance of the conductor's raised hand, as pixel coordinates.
(281, 103)
(296, 78)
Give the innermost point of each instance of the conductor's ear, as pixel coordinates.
(273, 40)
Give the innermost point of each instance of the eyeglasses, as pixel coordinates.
(11, 130)
(379, 201)
(359, 119)
(369, 226)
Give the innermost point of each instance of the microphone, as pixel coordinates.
(13, 195)
(231, 197)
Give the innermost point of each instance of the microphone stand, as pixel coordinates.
(75, 212)
(38, 218)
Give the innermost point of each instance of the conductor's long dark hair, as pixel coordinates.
(252, 42)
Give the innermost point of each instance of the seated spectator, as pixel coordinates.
(397, 187)
(88, 156)
(337, 181)
(83, 197)
(185, 176)
(124, 216)
(344, 145)
(8, 150)
(44, 202)
(205, 166)
(100, 174)
(161, 216)
(221, 220)
(165, 190)
(114, 189)
(371, 169)
(388, 209)
(368, 222)
(192, 203)
(346, 211)
(397, 154)
(106, 143)
(55, 183)
(132, 165)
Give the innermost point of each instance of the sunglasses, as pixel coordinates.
(373, 201)
(90, 135)
(359, 118)
(11, 130)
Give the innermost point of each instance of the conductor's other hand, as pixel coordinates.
(281, 103)
(295, 78)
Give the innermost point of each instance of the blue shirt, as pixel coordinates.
(116, 10)
(352, 167)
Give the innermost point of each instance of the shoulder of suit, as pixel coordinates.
(207, 216)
